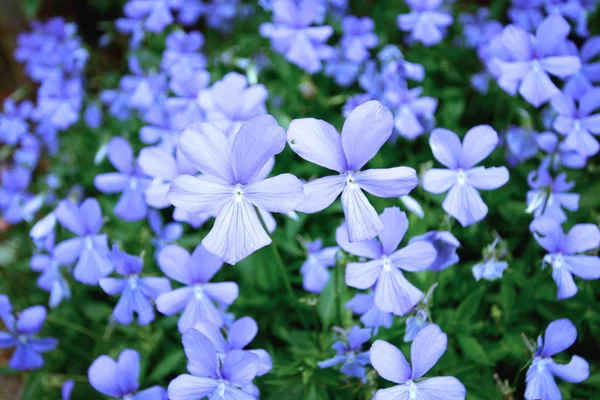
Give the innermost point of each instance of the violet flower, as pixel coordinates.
(589, 74)
(425, 22)
(315, 268)
(358, 38)
(183, 52)
(578, 123)
(51, 278)
(371, 316)
(490, 269)
(557, 154)
(13, 121)
(156, 14)
(13, 195)
(393, 292)
(549, 196)
(197, 298)
(232, 184)
(521, 144)
(129, 180)
(415, 324)
(89, 248)
(190, 11)
(231, 102)
(22, 334)
(367, 128)
(426, 349)
(526, 13)
(59, 102)
(185, 109)
(410, 110)
(164, 234)
(293, 36)
(119, 379)
(136, 292)
(349, 353)
(209, 376)
(445, 245)
(560, 335)
(462, 178)
(564, 252)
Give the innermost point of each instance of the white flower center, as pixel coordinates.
(221, 389)
(541, 363)
(387, 264)
(558, 261)
(133, 282)
(238, 193)
(535, 65)
(461, 177)
(350, 357)
(577, 125)
(89, 244)
(412, 389)
(198, 292)
(133, 183)
(351, 181)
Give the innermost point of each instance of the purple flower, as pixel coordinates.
(93, 115)
(220, 14)
(230, 102)
(393, 292)
(445, 245)
(13, 195)
(132, 27)
(526, 13)
(59, 102)
(534, 57)
(577, 123)
(147, 92)
(161, 134)
(22, 334)
(156, 14)
(292, 35)
(136, 292)
(478, 29)
(129, 180)
(548, 196)
(314, 270)
(462, 178)
(190, 11)
(183, 52)
(395, 70)
(209, 376)
(239, 335)
(67, 390)
(51, 279)
(89, 248)
(411, 110)
(424, 22)
(120, 379)
(117, 102)
(358, 37)
(371, 316)
(13, 121)
(353, 102)
(367, 128)
(560, 335)
(232, 185)
(490, 269)
(426, 349)
(557, 155)
(573, 10)
(185, 109)
(415, 324)
(349, 353)
(198, 295)
(341, 69)
(589, 74)
(165, 234)
(564, 252)
(521, 144)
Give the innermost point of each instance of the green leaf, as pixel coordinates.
(473, 350)
(469, 307)
(172, 362)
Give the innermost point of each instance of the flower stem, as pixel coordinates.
(284, 275)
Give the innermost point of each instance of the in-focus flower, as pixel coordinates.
(136, 292)
(445, 245)
(589, 74)
(371, 316)
(534, 57)
(559, 336)
(51, 278)
(393, 292)
(293, 36)
(22, 334)
(156, 14)
(89, 248)
(426, 349)
(232, 184)
(490, 269)
(231, 102)
(462, 178)
(164, 234)
(564, 252)
(183, 52)
(129, 180)
(197, 298)
(549, 196)
(13, 195)
(578, 123)
(239, 335)
(367, 128)
(415, 324)
(209, 376)
(315, 268)
(349, 353)
(13, 121)
(358, 37)
(119, 379)
(425, 22)
(410, 110)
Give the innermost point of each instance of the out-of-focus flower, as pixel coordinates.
(59, 102)
(183, 52)
(425, 22)
(67, 390)
(13, 195)
(489, 270)
(445, 245)
(156, 14)
(358, 38)
(185, 109)
(371, 316)
(164, 234)
(93, 115)
(13, 121)
(521, 144)
(415, 324)
(349, 353)
(51, 278)
(526, 13)
(589, 74)
(318, 260)
(557, 154)
(410, 110)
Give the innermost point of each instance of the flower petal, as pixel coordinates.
(321, 193)
(389, 182)
(581, 238)
(389, 362)
(199, 195)
(487, 178)
(67, 213)
(395, 225)
(111, 182)
(103, 375)
(368, 248)
(242, 332)
(240, 367)
(361, 218)
(158, 163)
(201, 354)
(281, 193)
(318, 142)
(416, 256)
(173, 261)
(188, 387)
(478, 144)
(427, 348)
(441, 388)
(577, 370)
(464, 203)
(586, 267)
(120, 155)
(559, 336)
(446, 147)
(394, 293)
(363, 275)
(129, 369)
(438, 181)
(30, 320)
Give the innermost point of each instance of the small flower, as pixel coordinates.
(445, 245)
(526, 13)
(136, 292)
(314, 270)
(129, 180)
(358, 37)
(156, 14)
(185, 109)
(425, 23)
(233, 185)
(557, 154)
(209, 376)
(560, 335)
(393, 292)
(564, 252)
(165, 234)
(489, 269)
(51, 278)
(349, 353)
(183, 52)
(120, 379)
(13, 121)
(415, 324)
(13, 195)
(89, 248)
(549, 196)
(583, 80)
(371, 316)
(411, 110)
(366, 129)
(463, 201)
(427, 348)
(22, 335)
(521, 144)
(198, 296)
(59, 102)
(93, 115)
